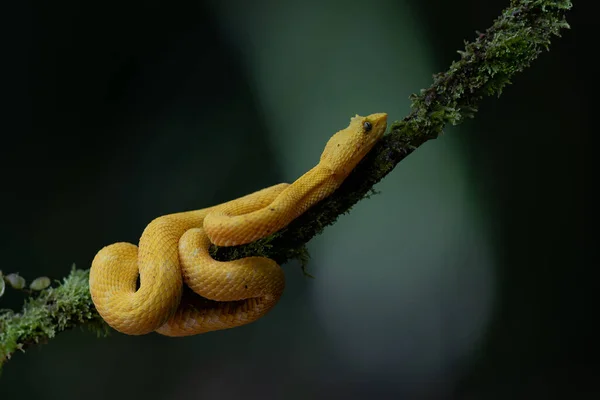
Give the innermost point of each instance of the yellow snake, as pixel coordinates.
(173, 250)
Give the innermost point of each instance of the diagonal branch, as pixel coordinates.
(487, 64)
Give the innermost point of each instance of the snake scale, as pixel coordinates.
(182, 290)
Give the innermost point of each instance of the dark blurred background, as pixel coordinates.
(468, 277)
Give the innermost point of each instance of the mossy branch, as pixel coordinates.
(48, 312)
(485, 67)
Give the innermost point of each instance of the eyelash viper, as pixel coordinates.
(173, 250)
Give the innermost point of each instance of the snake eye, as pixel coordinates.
(367, 126)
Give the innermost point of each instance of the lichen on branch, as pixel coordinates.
(485, 67)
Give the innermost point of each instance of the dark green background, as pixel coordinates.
(468, 277)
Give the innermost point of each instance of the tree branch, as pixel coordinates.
(486, 66)
(51, 311)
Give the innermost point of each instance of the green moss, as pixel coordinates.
(53, 310)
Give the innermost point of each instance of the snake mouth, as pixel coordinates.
(379, 122)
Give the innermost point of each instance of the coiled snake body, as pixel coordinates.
(173, 250)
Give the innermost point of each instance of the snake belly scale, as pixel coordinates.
(182, 290)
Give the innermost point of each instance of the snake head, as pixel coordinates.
(347, 147)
